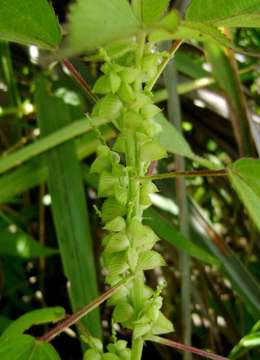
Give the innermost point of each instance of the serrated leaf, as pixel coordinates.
(150, 11)
(29, 22)
(245, 177)
(35, 317)
(149, 260)
(231, 13)
(95, 23)
(22, 245)
(25, 347)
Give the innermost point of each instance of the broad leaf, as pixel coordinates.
(95, 23)
(29, 22)
(35, 317)
(150, 11)
(25, 347)
(173, 141)
(245, 178)
(232, 13)
(22, 245)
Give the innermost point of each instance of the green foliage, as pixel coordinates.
(244, 176)
(68, 205)
(247, 343)
(29, 22)
(22, 245)
(234, 13)
(25, 347)
(35, 317)
(150, 11)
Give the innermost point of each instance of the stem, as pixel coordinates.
(175, 46)
(73, 319)
(192, 173)
(77, 76)
(188, 348)
(137, 349)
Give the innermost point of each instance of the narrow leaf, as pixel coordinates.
(69, 206)
(29, 22)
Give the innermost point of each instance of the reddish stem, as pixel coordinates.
(187, 348)
(77, 76)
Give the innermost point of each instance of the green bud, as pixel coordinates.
(141, 330)
(149, 260)
(121, 194)
(147, 189)
(110, 107)
(109, 356)
(123, 312)
(92, 354)
(119, 296)
(119, 144)
(126, 92)
(162, 325)
(129, 75)
(132, 257)
(102, 85)
(117, 242)
(152, 150)
(150, 110)
(116, 225)
(106, 185)
(111, 209)
(115, 263)
(141, 236)
(115, 82)
(132, 120)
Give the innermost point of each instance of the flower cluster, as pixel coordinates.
(128, 244)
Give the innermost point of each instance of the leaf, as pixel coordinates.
(149, 259)
(95, 23)
(150, 11)
(174, 142)
(22, 245)
(247, 343)
(166, 231)
(231, 13)
(35, 317)
(29, 22)
(68, 206)
(245, 177)
(25, 347)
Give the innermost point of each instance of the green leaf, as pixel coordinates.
(35, 317)
(150, 259)
(68, 206)
(25, 347)
(167, 232)
(245, 177)
(95, 23)
(232, 13)
(29, 22)
(247, 343)
(22, 245)
(174, 142)
(150, 11)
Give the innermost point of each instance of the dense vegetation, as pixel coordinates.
(129, 179)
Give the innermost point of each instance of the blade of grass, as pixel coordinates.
(58, 137)
(35, 171)
(175, 117)
(69, 207)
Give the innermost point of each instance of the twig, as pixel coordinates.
(188, 348)
(74, 318)
(77, 76)
(221, 172)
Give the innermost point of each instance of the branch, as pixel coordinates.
(188, 348)
(221, 172)
(77, 76)
(74, 318)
